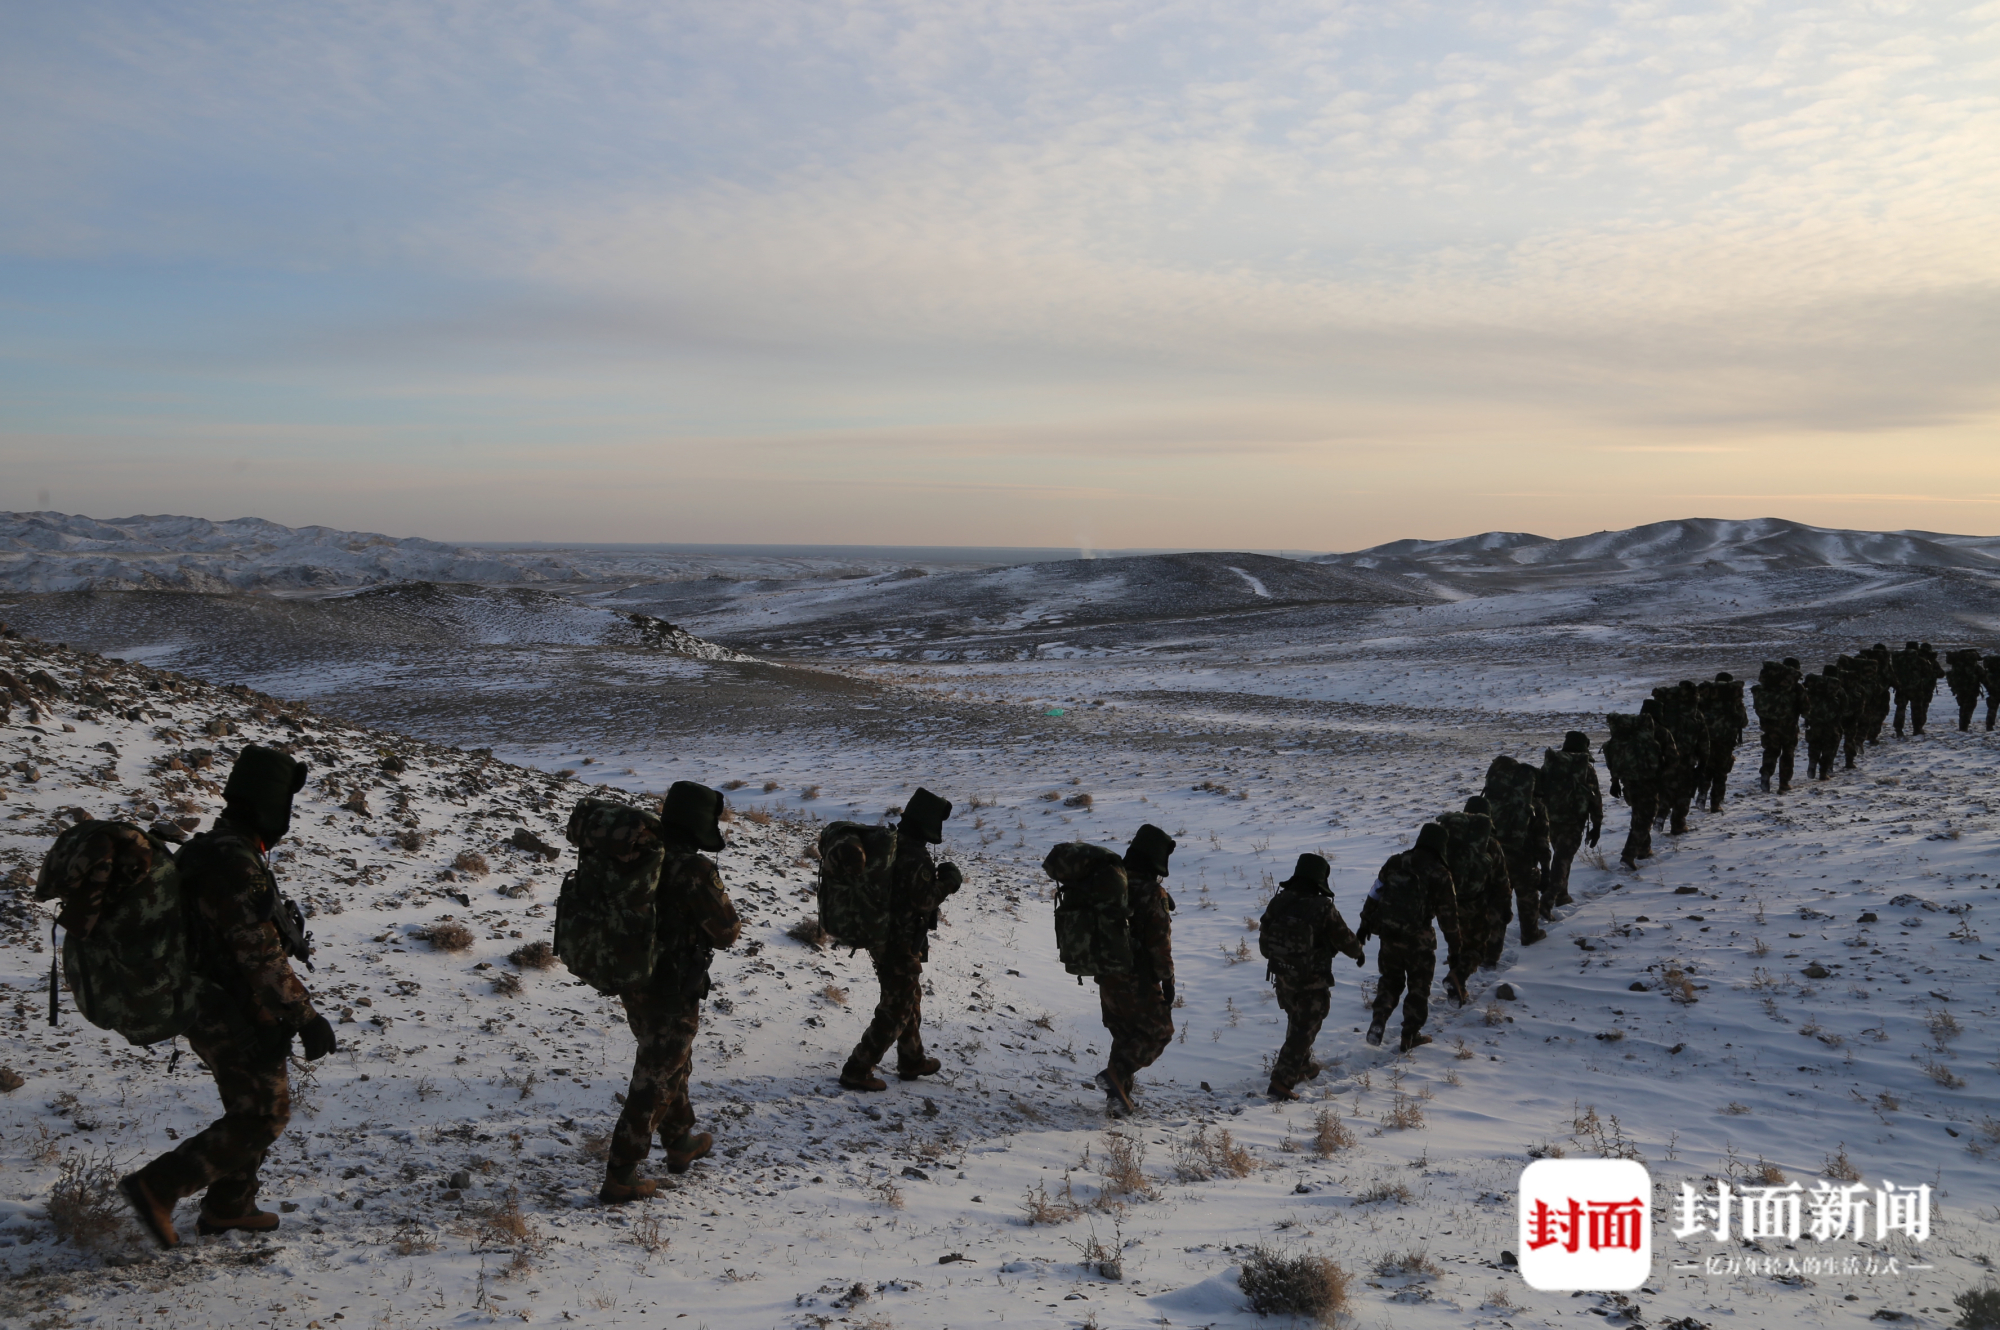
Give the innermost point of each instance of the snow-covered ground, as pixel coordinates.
(1249, 751)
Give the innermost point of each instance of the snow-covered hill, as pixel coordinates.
(1824, 938)
(1766, 544)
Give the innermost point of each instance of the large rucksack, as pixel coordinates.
(1093, 910)
(1401, 904)
(127, 950)
(1288, 935)
(856, 883)
(608, 914)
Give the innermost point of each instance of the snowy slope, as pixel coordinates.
(813, 1191)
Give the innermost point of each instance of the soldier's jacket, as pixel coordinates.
(1331, 937)
(1680, 709)
(1412, 890)
(696, 916)
(1152, 928)
(1568, 785)
(1520, 818)
(1474, 857)
(238, 948)
(1964, 674)
(1992, 666)
(1780, 699)
(1879, 684)
(1639, 751)
(1855, 685)
(1721, 707)
(918, 886)
(1916, 673)
(1826, 701)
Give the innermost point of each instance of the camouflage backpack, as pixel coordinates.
(1400, 900)
(856, 886)
(125, 912)
(1093, 912)
(1510, 795)
(1288, 936)
(607, 916)
(1564, 783)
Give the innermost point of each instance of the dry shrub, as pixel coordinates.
(1978, 1308)
(1840, 1168)
(85, 1206)
(1767, 1174)
(1678, 986)
(1736, 1110)
(648, 1234)
(1123, 1168)
(809, 792)
(1330, 1134)
(503, 1225)
(1080, 800)
(734, 784)
(1944, 1075)
(1415, 1263)
(1493, 1013)
(472, 863)
(1042, 1208)
(1050, 796)
(1302, 1285)
(835, 994)
(889, 1194)
(1199, 1157)
(536, 955)
(1406, 1113)
(447, 935)
(413, 1239)
(771, 787)
(757, 816)
(1383, 1189)
(507, 984)
(411, 841)
(809, 931)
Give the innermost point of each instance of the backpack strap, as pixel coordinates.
(54, 1009)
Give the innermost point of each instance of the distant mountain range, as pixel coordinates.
(1763, 544)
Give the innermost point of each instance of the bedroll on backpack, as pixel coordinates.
(126, 919)
(1093, 911)
(607, 917)
(855, 883)
(1287, 936)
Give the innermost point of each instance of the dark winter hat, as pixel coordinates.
(1149, 851)
(1431, 839)
(1909, 646)
(695, 811)
(258, 794)
(1576, 741)
(1791, 662)
(1311, 873)
(924, 815)
(1725, 677)
(1477, 804)
(1650, 707)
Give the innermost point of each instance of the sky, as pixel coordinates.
(1002, 272)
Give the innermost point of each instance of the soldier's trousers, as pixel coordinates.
(1920, 711)
(249, 1071)
(1851, 739)
(1718, 776)
(1966, 706)
(664, 1020)
(1992, 707)
(1493, 915)
(1305, 1010)
(899, 1012)
(1822, 746)
(1524, 870)
(1139, 1020)
(1779, 750)
(1563, 846)
(1642, 800)
(1676, 797)
(1406, 977)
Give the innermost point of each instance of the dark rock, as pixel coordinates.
(1636, 986)
(1687, 891)
(11, 1080)
(1505, 992)
(911, 1171)
(460, 1180)
(524, 839)
(1816, 971)
(1508, 1260)
(1868, 917)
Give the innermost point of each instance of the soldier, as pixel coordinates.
(1992, 665)
(1917, 673)
(1965, 676)
(918, 886)
(1569, 790)
(1485, 894)
(1637, 755)
(1880, 689)
(1680, 712)
(696, 917)
(1780, 700)
(1722, 709)
(1299, 934)
(1412, 889)
(1853, 673)
(251, 1008)
(1138, 1007)
(1825, 701)
(1521, 822)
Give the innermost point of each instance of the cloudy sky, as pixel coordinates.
(1023, 272)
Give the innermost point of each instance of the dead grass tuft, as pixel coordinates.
(1042, 1208)
(536, 955)
(1123, 1167)
(1201, 1156)
(507, 984)
(809, 931)
(648, 1234)
(85, 1207)
(1302, 1285)
(1330, 1134)
(472, 863)
(757, 816)
(835, 994)
(1415, 1263)
(1406, 1113)
(1383, 1189)
(447, 934)
(1839, 1167)
(1767, 1174)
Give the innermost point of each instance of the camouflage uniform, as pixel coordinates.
(1680, 712)
(1992, 664)
(1636, 756)
(1412, 889)
(1854, 674)
(1917, 673)
(1569, 789)
(1965, 676)
(919, 887)
(1304, 995)
(252, 1006)
(1722, 712)
(1780, 700)
(1138, 1007)
(1521, 822)
(1880, 690)
(696, 917)
(1825, 701)
(1485, 894)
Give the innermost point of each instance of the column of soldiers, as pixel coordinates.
(1504, 857)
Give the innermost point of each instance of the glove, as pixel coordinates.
(1363, 936)
(1617, 791)
(949, 879)
(1591, 838)
(1454, 986)
(1361, 959)
(316, 1035)
(1167, 991)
